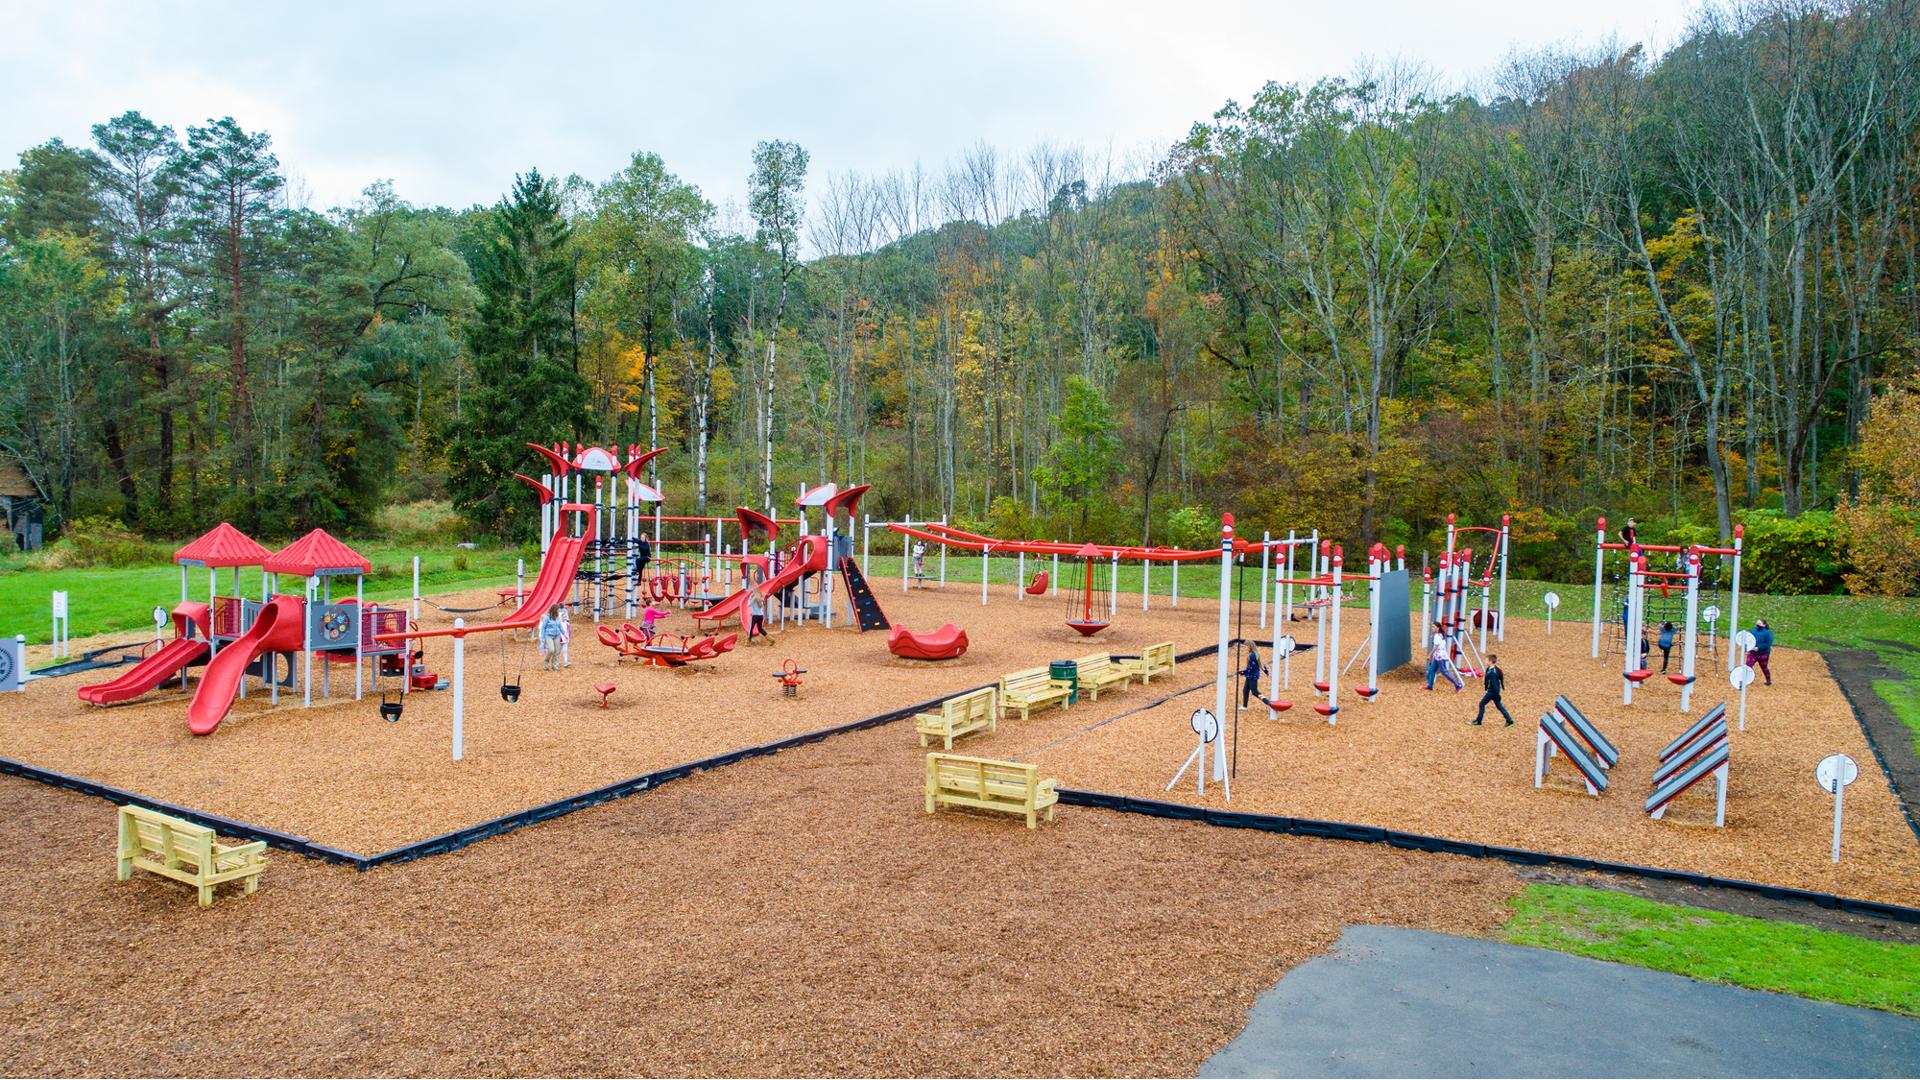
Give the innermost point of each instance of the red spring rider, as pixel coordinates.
(789, 676)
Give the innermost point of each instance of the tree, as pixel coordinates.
(525, 386)
(774, 195)
(1085, 456)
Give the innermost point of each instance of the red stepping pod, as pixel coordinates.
(1320, 686)
(1279, 706)
(1326, 709)
(605, 690)
(1366, 691)
(1639, 676)
(1679, 680)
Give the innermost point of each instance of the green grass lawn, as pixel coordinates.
(102, 600)
(1761, 954)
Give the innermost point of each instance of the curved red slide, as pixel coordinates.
(549, 589)
(148, 673)
(277, 628)
(811, 559)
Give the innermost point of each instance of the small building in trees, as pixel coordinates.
(22, 504)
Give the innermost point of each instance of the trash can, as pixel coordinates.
(1068, 671)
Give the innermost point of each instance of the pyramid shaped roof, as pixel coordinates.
(222, 545)
(317, 553)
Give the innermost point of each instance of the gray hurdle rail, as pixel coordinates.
(1714, 763)
(1603, 751)
(1716, 714)
(1553, 735)
(1691, 752)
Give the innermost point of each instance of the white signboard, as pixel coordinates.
(1835, 772)
(1553, 601)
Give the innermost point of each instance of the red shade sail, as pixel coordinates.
(317, 553)
(223, 545)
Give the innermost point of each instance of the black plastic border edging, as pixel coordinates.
(459, 838)
(1370, 834)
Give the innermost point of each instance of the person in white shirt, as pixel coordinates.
(552, 630)
(1440, 660)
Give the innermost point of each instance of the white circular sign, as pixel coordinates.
(1552, 599)
(1284, 645)
(1743, 640)
(1205, 724)
(159, 616)
(1741, 677)
(1710, 613)
(1836, 769)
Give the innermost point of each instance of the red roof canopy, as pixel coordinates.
(317, 553)
(223, 545)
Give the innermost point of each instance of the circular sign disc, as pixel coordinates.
(1836, 769)
(159, 615)
(1743, 639)
(1205, 724)
(1284, 645)
(1741, 677)
(1552, 599)
(1710, 613)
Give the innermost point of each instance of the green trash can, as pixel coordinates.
(1070, 672)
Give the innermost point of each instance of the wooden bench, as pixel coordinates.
(1098, 672)
(1034, 688)
(986, 784)
(1153, 660)
(166, 845)
(960, 715)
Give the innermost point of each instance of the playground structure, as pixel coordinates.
(1448, 588)
(236, 636)
(1664, 594)
(1387, 643)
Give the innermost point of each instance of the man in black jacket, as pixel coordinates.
(1495, 681)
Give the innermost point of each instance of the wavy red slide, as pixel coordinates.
(148, 673)
(278, 628)
(812, 559)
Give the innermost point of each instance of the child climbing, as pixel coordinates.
(552, 631)
(1495, 680)
(1666, 645)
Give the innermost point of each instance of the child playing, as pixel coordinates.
(1250, 676)
(552, 631)
(1666, 644)
(648, 617)
(757, 617)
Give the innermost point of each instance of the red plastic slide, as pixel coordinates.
(278, 628)
(943, 644)
(548, 590)
(147, 674)
(811, 559)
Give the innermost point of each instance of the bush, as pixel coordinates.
(425, 522)
(99, 541)
(1798, 556)
(1883, 545)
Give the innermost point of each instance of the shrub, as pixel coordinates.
(1793, 556)
(99, 541)
(426, 521)
(1883, 545)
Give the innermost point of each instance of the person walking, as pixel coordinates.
(1495, 680)
(1250, 676)
(757, 616)
(1440, 660)
(1762, 650)
(1666, 645)
(551, 631)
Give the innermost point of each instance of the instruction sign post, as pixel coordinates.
(1741, 678)
(1552, 601)
(1835, 772)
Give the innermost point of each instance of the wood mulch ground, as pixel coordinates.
(338, 774)
(795, 915)
(1412, 762)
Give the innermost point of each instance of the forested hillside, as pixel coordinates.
(1682, 286)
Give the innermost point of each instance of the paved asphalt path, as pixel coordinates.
(1392, 1002)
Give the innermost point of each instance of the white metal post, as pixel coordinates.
(1113, 588)
(1220, 675)
(1146, 580)
(1376, 567)
(1506, 537)
(1020, 575)
(1266, 558)
(1733, 615)
(1333, 647)
(416, 589)
(459, 690)
(1693, 614)
(984, 569)
(1599, 562)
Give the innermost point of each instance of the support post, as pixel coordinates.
(1220, 674)
(1599, 564)
(1693, 617)
(1266, 558)
(1733, 615)
(1506, 537)
(459, 690)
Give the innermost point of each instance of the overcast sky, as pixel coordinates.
(449, 101)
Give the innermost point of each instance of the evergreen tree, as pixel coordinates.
(526, 388)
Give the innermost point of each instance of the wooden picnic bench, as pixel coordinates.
(960, 715)
(166, 845)
(1034, 688)
(1098, 672)
(985, 784)
(1153, 660)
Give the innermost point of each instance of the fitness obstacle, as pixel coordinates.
(1706, 755)
(1603, 750)
(1602, 546)
(1553, 736)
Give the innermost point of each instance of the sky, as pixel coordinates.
(450, 101)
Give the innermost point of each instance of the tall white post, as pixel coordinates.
(416, 588)
(1220, 674)
(1266, 559)
(1693, 615)
(1506, 538)
(1113, 588)
(519, 582)
(1053, 579)
(459, 690)
(1376, 567)
(1019, 575)
(1734, 659)
(1599, 564)
(985, 569)
(1630, 658)
(359, 638)
(1176, 583)
(1146, 581)
(906, 556)
(306, 648)
(1333, 646)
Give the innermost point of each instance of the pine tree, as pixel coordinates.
(526, 388)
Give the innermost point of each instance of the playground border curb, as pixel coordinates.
(1373, 834)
